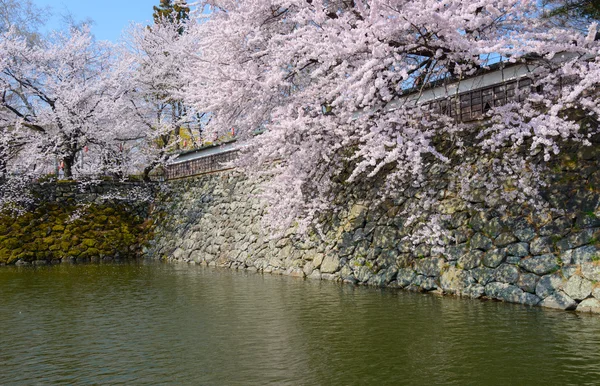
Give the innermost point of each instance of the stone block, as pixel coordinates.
(581, 238)
(385, 237)
(428, 284)
(493, 227)
(540, 265)
(455, 280)
(478, 220)
(530, 299)
(549, 284)
(506, 292)
(558, 227)
(559, 300)
(330, 264)
(479, 241)
(429, 266)
(363, 274)
(474, 291)
(507, 273)
(422, 250)
(483, 275)
(505, 239)
(462, 234)
(540, 245)
(494, 257)
(458, 219)
(581, 255)
(591, 271)
(591, 305)
(528, 281)
(471, 260)
(578, 288)
(596, 292)
(518, 249)
(455, 252)
(405, 277)
(523, 230)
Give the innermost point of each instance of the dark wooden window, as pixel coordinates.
(472, 105)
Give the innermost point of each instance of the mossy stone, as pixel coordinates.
(49, 232)
(26, 256)
(4, 255)
(73, 252)
(12, 259)
(93, 252)
(89, 242)
(12, 243)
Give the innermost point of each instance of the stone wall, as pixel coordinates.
(513, 253)
(77, 222)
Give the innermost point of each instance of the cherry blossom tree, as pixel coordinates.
(153, 100)
(57, 98)
(23, 16)
(325, 80)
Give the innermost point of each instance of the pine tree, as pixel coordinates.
(589, 9)
(171, 11)
(573, 13)
(172, 15)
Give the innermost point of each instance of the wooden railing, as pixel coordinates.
(207, 164)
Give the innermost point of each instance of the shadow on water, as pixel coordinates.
(149, 323)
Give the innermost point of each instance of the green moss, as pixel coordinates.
(4, 255)
(49, 233)
(65, 246)
(26, 256)
(12, 259)
(11, 243)
(89, 242)
(92, 252)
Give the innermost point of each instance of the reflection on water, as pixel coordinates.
(153, 323)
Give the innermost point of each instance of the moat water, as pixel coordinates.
(151, 323)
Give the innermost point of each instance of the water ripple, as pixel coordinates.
(154, 323)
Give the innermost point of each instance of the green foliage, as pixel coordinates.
(168, 10)
(576, 8)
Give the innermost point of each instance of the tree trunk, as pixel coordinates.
(3, 162)
(147, 170)
(68, 163)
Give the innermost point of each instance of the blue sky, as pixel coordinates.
(110, 16)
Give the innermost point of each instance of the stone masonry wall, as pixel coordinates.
(515, 254)
(76, 222)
